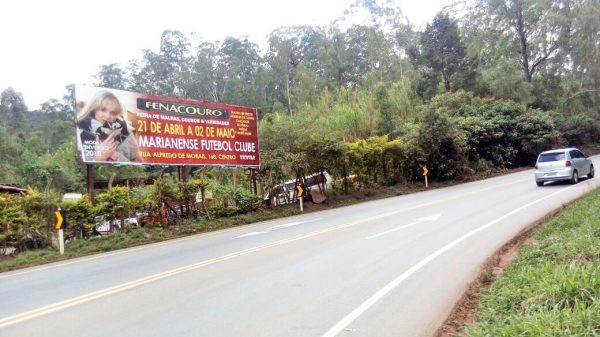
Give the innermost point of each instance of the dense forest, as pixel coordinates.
(487, 84)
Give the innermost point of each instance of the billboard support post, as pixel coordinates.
(253, 181)
(90, 182)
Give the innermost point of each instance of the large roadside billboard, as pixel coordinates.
(129, 128)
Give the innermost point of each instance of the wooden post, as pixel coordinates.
(182, 172)
(235, 179)
(253, 177)
(160, 202)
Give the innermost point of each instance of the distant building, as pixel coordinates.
(72, 196)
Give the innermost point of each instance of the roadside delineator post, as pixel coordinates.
(60, 225)
(300, 198)
(425, 171)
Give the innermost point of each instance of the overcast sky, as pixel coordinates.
(47, 45)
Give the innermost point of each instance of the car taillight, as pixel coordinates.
(568, 163)
(536, 166)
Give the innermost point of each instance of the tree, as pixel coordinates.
(584, 54)
(288, 47)
(111, 76)
(54, 125)
(530, 31)
(207, 79)
(11, 150)
(115, 204)
(386, 122)
(442, 50)
(12, 109)
(58, 109)
(166, 73)
(505, 80)
(442, 143)
(369, 51)
(239, 62)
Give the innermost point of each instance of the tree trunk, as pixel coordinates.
(235, 180)
(520, 26)
(253, 181)
(90, 183)
(202, 190)
(111, 180)
(287, 91)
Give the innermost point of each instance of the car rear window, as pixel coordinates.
(546, 157)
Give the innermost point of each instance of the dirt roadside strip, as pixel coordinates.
(464, 312)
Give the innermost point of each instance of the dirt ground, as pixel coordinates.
(463, 313)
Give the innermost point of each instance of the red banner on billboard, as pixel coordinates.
(128, 128)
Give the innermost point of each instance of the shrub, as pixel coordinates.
(80, 217)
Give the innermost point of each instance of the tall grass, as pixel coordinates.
(553, 287)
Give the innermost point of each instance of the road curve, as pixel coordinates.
(391, 267)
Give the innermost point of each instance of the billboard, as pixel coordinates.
(128, 128)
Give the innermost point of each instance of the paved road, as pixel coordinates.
(391, 267)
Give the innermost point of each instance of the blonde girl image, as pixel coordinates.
(104, 133)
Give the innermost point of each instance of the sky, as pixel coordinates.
(47, 45)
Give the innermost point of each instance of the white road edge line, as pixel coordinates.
(346, 321)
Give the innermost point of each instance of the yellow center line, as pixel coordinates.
(28, 315)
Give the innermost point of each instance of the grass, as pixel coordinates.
(553, 286)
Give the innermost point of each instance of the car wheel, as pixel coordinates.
(539, 183)
(574, 178)
(591, 174)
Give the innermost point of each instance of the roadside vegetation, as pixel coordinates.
(371, 104)
(553, 287)
(471, 95)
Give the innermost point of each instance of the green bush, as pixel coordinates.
(219, 210)
(443, 145)
(80, 217)
(247, 201)
(578, 129)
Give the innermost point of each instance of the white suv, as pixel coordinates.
(562, 164)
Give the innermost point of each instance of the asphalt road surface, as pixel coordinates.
(392, 267)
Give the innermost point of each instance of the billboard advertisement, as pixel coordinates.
(128, 128)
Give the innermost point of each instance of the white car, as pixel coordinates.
(562, 164)
(103, 225)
